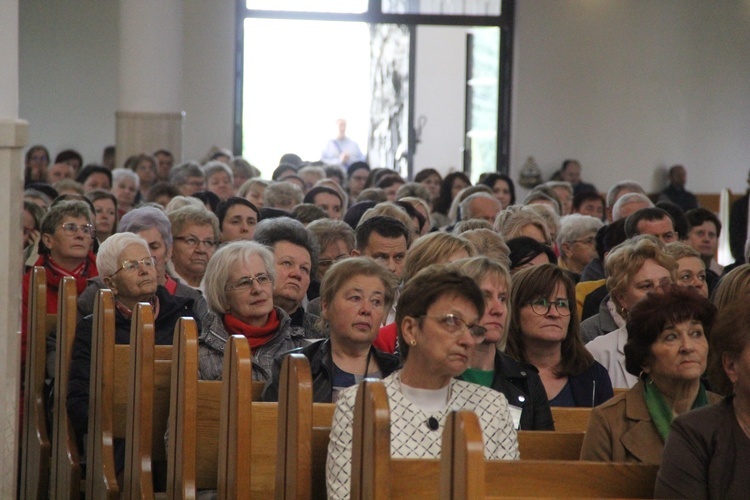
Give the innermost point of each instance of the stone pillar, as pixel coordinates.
(150, 115)
(13, 138)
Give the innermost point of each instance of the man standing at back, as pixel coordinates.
(342, 150)
(676, 192)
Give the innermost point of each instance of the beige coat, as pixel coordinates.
(621, 430)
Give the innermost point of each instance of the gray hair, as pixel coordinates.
(489, 244)
(143, 218)
(271, 231)
(109, 251)
(462, 195)
(193, 216)
(119, 174)
(282, 193)
(180, 201)
(680, 250)
(627, 199)
(465, 205)
(179, 174)
(58, 212)
(227, 257)
(631, 186)
(328, 231)
(561, 184)
(514, 218)
(541, 194)
(575, 226)
(463, 226)
(214, 167)
(414, 189)
(249, 184)
(239, 163)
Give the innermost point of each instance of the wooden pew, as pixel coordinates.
(571, 419)
(376, 475)
(35, 444)
(66, 469)
(546, 445)
(197, 460)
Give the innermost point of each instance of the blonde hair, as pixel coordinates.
(434, 248)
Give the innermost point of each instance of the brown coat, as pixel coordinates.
(621, 430)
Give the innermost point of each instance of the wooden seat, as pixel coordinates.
(570, 419)
(546, 445)
(35, 443)
(66, 469)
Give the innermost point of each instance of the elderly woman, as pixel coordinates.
(195, 232)
(253, 191)
(239, 290)
(355, 296)
(691, 270)
(438, 327)
(707, 453)
(125, 186)
(219, 179)
(283, 195)
(188, 178)
(237, 219)
(667, 349)
(129, 270)
(32, 224)
(295, 253)
(635, 268)
(577, 242)
(489, 365)
(519, 220)
(543, 332)
(335, 240)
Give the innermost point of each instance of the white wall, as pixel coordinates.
(632, 87)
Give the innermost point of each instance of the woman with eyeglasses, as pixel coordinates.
(355, 295)
(195, 232)
(128, 269)
(438, 327)
(544, 332)
(239, 290)
(577, 242)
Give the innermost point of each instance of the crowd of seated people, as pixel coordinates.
(456, 295)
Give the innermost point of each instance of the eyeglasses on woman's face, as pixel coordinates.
(542, 306)
(456, 326)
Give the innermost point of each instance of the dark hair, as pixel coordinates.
(524, 249)
(584, 196)
(679, 220)
(389, 180)
(730, 336)
(310, 196)
(208, 198)
(270, 232)
(44, 188)
(647, 214)
(283, 167)
(490, 180)
(162, 152)
(412, 213)
(426, 173)
(426, 288)
(68, 154)
(224, 206)
(291, 159)
(162, 189)
(565, 164)
(357, 165)
(698, 216)
(648, 318)
(385, 226)
(86, 172)
(356, 211)
(609, 236)
(445, 198)
(541, 281)
(307, 213)
(375, 175)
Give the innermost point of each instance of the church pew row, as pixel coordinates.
(375, 475)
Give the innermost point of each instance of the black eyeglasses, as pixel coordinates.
(456, 325)
(542, 306)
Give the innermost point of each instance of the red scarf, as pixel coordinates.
(84, 271)
(257, 336)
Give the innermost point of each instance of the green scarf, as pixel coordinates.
(661, 413)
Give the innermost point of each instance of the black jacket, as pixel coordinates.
(321, 368)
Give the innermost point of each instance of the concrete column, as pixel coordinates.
(13, 138)
(150, 112)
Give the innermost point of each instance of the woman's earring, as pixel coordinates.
(413, 342)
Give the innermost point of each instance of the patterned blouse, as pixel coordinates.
(411, 436)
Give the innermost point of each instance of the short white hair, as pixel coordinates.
(108, 257)
(465, 206)
(576, 226)
(627, 199)
(119, 174)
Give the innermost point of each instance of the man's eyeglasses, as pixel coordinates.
(131, 265)
(247, 282)
(194, 242)
(456, 325)
(71, 228)
(326, 263)
(542, 306)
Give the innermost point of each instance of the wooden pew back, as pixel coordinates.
(571, 419)
(546, 445)
(35, 443)
(66, 469)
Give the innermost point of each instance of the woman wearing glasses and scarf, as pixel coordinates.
(239, 289)
(544, 332)
(438, 327)
(128, 269)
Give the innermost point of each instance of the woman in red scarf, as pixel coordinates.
(238, 285)
(64, 250)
